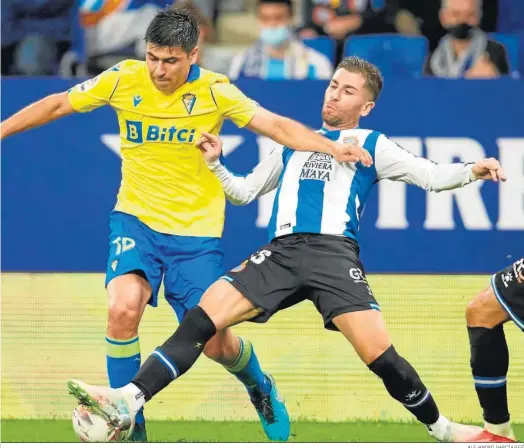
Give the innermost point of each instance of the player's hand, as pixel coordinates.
(489, 169)
(351, 152)
(211, 147)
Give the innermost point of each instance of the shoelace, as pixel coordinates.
(263, 405)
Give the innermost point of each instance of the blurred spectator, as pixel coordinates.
(109, 31)
(427, 15)
(278, 54)
(35, 35)
(340, 19)
(465, 51)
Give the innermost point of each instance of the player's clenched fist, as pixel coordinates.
(211, 146)
(489, 169)
(352, 153)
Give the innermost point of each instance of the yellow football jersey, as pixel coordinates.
(165, 182)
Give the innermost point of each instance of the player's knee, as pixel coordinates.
(123, 320)
(477, 312)
(374, 351)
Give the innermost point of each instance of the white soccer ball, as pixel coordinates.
(90, 427)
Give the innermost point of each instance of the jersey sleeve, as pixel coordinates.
(233, 104)
(95, 92)
(395, 163)
(242, 190)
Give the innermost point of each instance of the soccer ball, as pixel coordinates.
(90, 427)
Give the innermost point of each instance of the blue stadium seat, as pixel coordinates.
(322, 44)
(511, 44)
(395, 55)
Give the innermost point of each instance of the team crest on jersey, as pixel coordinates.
(318, 166)
(350, 140)
(189, 101)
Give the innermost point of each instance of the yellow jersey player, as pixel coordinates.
(169, 214)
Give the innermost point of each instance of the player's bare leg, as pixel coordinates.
(222, 306)
(128, 296)
(366, 331)
(223, 348)
(485, 317)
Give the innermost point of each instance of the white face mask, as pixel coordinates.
(275, 36)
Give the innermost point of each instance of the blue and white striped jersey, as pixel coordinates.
(317, 194)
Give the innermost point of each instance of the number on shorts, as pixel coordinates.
(123, 244)
(259, 257)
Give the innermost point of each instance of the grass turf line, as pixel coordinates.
(207, 431)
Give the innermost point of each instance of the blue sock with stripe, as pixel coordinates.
(123, 363)
(247, 369)
(489, 365)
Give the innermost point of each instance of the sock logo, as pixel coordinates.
(413, 395)
(139, 395)
(198, 345)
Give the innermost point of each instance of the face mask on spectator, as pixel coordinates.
(275, 36)
(461, 31)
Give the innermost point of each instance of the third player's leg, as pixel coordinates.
(485, 315)
(485, 310)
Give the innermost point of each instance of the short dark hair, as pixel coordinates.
(174, 27)
(288, 3)
(374, 79)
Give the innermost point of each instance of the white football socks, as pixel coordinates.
(134, 397)
(440, 429)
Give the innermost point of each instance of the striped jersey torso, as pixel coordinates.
(317, 194)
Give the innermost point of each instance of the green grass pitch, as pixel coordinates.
(206, 431)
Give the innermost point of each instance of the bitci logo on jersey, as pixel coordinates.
(318, 167)
(135, 131)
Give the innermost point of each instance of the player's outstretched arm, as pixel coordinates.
(245, 112)
(395, 163)
(290, 133)
(37, 114)
(241, 190)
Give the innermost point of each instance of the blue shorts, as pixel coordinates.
(187, 264)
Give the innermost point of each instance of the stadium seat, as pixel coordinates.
(395, 55)
(322, 44)
(511, 44)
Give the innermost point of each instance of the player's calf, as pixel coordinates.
(404, 385)
(223, 348)
(177, 355)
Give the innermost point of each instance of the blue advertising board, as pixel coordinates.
(59, 182)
